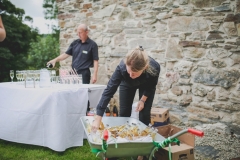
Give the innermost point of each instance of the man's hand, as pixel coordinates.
(53, 62)
(94, 79)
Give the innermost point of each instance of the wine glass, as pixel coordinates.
(12, 74)
(18, 75)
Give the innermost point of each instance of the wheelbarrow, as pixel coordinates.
(128, 149)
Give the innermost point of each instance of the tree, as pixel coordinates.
(47, 46)
(51, 12)
(45, 49)
(13, 50)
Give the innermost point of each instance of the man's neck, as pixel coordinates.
(83, 41)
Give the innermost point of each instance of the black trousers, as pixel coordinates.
(86, 76)
(126, 96)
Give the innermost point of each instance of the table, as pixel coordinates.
(47, 117)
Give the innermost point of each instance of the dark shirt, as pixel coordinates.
(120, 74)
(83, 54)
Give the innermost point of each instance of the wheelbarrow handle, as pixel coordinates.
(195, 132)
(105, 135)
(190, 130)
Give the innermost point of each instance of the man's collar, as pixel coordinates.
(87, 41)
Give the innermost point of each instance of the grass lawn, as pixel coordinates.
(18, 151)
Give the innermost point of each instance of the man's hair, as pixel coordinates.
(83, 26)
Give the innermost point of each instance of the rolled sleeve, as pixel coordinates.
(95, 52)
(70, 48)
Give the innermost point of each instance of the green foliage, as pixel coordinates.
(40, 52)
(51, 10)
(13, 50)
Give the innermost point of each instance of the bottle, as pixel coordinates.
(107, 112)
(49, 65)
(115, 111)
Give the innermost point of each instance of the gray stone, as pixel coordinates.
(183, 81)
(173, 50)
(150, 21)
(222, 8)
(132, 24)
(235, 97)
(214, 36)
(230, 28)
(132, 31)
(236, 57)
(219, 63)
(159, 3)
(177, 90)
(105, 12)
(185, 100)
(192, 52)
(236, 118)
(238, 29)
(187, 24)
(207, 151)
(215, 26)
(190, 43)
(183, 68)
(113, 30)
(158, 8)
(229, 107)
(195, 118)
(211, 96)
(199, 90)
(145, 42)
(204, 105)
(206, 3)
(209, 14)
(119, 40)
(215, 53)
(232, 18)
(222, 94)
(201, 112)
(237, 6)
(165, 15)
(175, 118)
(183, 2)
(198, 35)
(108, 2)
(125, 14)
(223, 78)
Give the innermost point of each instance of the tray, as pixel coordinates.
(124, 149)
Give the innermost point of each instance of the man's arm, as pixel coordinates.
(2, 30)
(95, 65)
(59, 58)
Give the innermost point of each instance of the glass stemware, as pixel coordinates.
(18, 75)
(12, 75)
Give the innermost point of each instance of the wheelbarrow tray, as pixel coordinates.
(124, 149)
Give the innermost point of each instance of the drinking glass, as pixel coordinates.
(18, 75)
(12, 74)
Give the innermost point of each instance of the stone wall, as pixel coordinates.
(195, 41)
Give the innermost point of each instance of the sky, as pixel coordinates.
(34, 9)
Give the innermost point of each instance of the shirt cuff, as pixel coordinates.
(100, 112)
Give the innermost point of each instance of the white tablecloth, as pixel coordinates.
(46, 116)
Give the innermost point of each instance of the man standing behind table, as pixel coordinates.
(84, 52)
